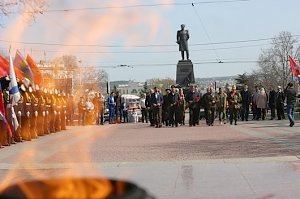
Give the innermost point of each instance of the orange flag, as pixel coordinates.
(37, 75)
(4, 69)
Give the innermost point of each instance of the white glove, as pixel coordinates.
(35, 113)
(27, 113)
(19, 113)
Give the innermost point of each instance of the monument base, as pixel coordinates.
(185, 73)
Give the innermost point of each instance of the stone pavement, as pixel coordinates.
(251, 160)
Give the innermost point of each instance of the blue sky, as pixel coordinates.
(95, 33)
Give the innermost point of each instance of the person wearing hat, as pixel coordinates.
(280, 103)
(34, 112)
(234, 99)
(290, 94)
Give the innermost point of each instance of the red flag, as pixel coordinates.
(294, 66)
(37, 75)
(4, 69)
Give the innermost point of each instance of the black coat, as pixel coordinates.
(246, 97)
(272, 98)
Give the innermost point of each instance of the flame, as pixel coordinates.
(68, 188)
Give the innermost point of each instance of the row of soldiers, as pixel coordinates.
(38, 113)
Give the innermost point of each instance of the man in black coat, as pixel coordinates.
(166, 107)
(174, 107)
(149, 107)
(157, 101)
(272, 102)
(246, 100)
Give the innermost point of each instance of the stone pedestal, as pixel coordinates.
(185, 73)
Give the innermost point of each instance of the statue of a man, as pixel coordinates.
(182, 40)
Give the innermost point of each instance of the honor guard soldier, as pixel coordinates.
(53, 112)
(19, 110)
(41, 111)
(48, 111)
(58, 111)
(70, 110)
(63, 111)
(34, 112)
(7, 140)
(27, 118)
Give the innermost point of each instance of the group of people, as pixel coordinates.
(91, 109)
(37, 113)
(224, 105)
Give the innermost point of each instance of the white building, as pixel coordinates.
(131, 87)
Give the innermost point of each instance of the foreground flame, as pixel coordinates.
(66, 188)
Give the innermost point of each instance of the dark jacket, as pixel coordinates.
(280, 98)
(290, 95)
(156, 98)
(148, 101)
(246, 97)
(272, 98)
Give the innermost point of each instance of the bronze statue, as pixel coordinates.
(182, 40)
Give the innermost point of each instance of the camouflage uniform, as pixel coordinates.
(234, 99)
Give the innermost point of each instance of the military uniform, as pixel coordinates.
(70, 110)
(58, 113)
(234, 99)
(210, 106)
(63, 113)
(20, 112)
(27, 117)
(34, 115)
(53, 113)
(8, 115)
(48, 115)
(222, 106)
(41, 114)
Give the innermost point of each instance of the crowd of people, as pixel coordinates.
(223, 105)
(41, 112)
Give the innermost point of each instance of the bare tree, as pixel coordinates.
(161, 83)
(274, 67)
(31, 8)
